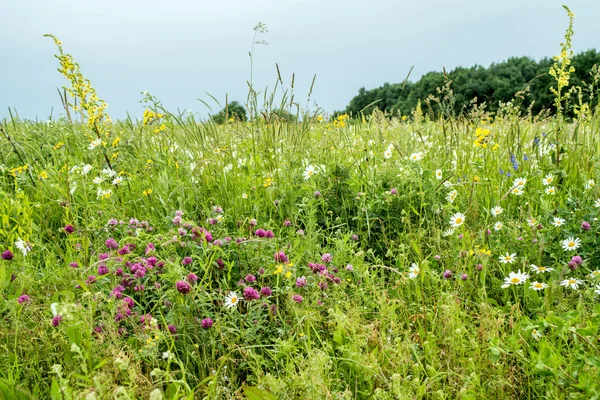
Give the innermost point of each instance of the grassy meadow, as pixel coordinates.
(442, 254)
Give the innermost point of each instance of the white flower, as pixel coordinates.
(167, 355)
(520, 182)
(438, 174)
(535, 334)
(497, 211)
(540, 270)
(244, 195)
(531, 222)
(117, 180)
(597, 290)
(538, 286)
(54, 308)
(508, 258)
(594, 274)
(452, 196)
(597, 203)
(497, 226)
(94, 144)
(232, 300)
(309, 171)
(517, 191)
(416, 156)
(572, 283)
(109, 172)
(558, 221)
(24, 246)
(550, 190)
(548, 180)
(413, 272)
(571, 243)
(86, 169)
(457, 220)
(515, 278)
(590, 184)
(387, 154)
(447, 184)
(448, 232)
(98, 180)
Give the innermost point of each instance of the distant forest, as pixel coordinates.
(497, 83)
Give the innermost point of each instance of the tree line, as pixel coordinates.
(496, 84)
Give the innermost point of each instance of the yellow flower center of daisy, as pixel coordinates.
(538, 285)
(571, 244)
(459, 220)
(542, 268)
(234, 300)
(571, 281)
(515, 280)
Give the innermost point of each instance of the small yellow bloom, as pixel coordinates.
(147, 192)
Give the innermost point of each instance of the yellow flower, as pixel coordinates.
(58, 145)
(147, 192)
(116, 142)
(268, 182)
(43, 175)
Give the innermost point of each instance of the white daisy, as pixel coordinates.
(98, 180)
(95, 143)
(572, 283)
(86, 169)
(309, 171)
(457, 220)
(558, 221)
(448, 232)
(590, 184)
(517, 191)
(515, 278)
(452, 196)
(571, 243)
(550, 190)
(520, 182)
(24, 246)
(597, 290)
(109, 172)
(548, 180)
(232, 300)
(594, 274)
(387, 154)
(497, 211)
(540, 270)
(438, 174)
(508, 258)
(117, 180)
(416, 156)
(413, 272)
(535, 334)
(497, 226)
(538, 286)
(531, 222)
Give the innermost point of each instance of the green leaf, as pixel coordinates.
(254, 393)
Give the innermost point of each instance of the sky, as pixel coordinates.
(184, 50)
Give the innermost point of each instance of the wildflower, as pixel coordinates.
(508, 258)
(23, 299)
(416, 156)
(297, 298)
(577, 260)
(327, 258)
(57, 320)
(570, 244)
(548, 179)
(301, 281)
(590, 184)
(117, 180)
(538, 286)
(571, 283)
(438, 174)
(448, 232)
(317, 194)
(250, 278)
(464, 277)
(452, 196)
(207, 323)
(457, 220)
(7, 255)
(447, 274)
(251, 294)
(232, 300)
(535, 334)
(498, 225)
(69, 229)
(586, 226)
(531, 222)
(497, 211)
(266, 291)
(172, 329)
(519, 182)
(309, 171)
(517, 191)
(551, 190)
(183, 287)
(95, 143)
(597, 290)
(186, 260)
(413, 271)
(192, 277)
(111, 244)
(597, 203)
(540, 270)
(244, 195)
(516, 278)
(24, 246)
(387, 154)
(558, 221)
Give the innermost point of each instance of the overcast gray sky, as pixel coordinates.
(180, 49)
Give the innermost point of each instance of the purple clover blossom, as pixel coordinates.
(207, 323)
(111, 244)
(172, 329)
(102, 269)
(69, 229)
(251, 294)
(586, 226)
(183, 287)
(297, 298)
(250, 278)
(464, 277)
(23, 299)
(7, 255)
(266, 291)
(192, 277)
(186, 260)
(447, 274)
(327, 258)
(280, 257)
(301, 282)
(57, 320)
(260, 232)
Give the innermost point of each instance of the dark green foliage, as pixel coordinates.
(233, 110)
(497, 83)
